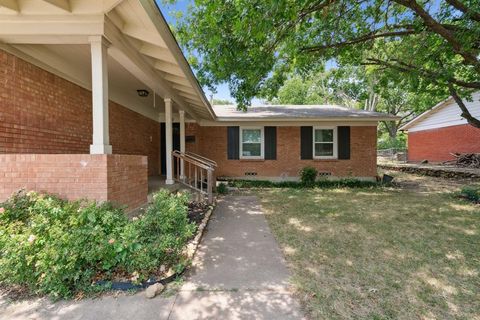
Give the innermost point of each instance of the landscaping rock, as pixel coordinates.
(153, 290)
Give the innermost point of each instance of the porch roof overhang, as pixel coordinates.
(140, 41)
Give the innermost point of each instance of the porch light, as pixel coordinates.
(142, 93)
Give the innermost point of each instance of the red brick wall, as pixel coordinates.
(118, 178)
(363, 162)
(131, 133)
(435, 145)
(127, 180)
(191, 129)
(43, 113)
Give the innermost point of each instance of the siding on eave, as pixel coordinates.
(448, 115)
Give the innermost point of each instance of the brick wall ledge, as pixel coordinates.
(120, 179)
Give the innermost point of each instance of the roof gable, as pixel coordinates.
(444, 114)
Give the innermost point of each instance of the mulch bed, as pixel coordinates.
(196, 211)
(16, 292)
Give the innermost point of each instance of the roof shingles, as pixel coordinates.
(267, 112)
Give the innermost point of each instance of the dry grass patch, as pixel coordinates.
(379, 253)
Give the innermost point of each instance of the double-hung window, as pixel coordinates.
(325, 143)
(251, 142)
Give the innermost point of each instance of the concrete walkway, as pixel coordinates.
(238, 273)
(239, 269)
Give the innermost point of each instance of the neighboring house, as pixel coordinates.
(437, 133)
(96, 95)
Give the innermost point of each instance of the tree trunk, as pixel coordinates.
(391, 129)
(465, 112)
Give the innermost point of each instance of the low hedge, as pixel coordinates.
(343, 183)
(59, 248)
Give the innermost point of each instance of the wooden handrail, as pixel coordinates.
(197, 156)
(199, 163)
(195, 177)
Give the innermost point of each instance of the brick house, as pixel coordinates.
(437, 133)
(96, 96)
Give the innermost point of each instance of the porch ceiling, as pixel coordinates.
(143, 51)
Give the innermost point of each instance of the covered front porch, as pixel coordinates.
(124, 53)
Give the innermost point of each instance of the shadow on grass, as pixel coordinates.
(388, 253)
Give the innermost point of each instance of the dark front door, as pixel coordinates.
(175, 144)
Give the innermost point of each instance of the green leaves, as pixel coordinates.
(57, 247)
(254, 45)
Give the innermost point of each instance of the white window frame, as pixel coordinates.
(262, 143)
(335, 143)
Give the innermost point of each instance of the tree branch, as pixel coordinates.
(406, 116)
(286, 27)
(465, 9)
(433, 76)
(369, 36)
(465, 112)
(437, 27)
(409, 30)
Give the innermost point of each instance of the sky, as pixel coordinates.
(223, 91)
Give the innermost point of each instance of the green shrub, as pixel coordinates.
(160, 235)
(343, 183)
(58, 247)
(222, 188)
(308, 175)
(471, 193)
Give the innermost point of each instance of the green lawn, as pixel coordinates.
(397, 253)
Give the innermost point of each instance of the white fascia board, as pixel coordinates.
(162, 27)
(41, 29)
(425, 114)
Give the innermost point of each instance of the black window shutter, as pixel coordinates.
(270, 143)
(233, 143)
(343, 143)
(306, 143)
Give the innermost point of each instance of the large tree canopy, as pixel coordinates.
(254, 45)
(361, 87)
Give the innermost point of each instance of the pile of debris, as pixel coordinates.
(466, 160)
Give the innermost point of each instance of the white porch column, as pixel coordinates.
(182, 142)
(168, 140)
(101, 141)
